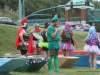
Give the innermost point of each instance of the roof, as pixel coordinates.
(78, 3)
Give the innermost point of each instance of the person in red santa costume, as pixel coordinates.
(33, 41)
(22, 43)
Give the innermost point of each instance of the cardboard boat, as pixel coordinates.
(32, 64)
(9, 64)
(76, 52)
(64, 62)
(83, 60)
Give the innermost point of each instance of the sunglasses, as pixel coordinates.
(37, 26)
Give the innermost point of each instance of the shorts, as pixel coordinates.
(54, 52)
(23, 52)
(45, 49)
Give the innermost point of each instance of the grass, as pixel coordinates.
(7, 42)
(65, 71)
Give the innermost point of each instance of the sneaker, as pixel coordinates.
(50, 71)
(58, 71)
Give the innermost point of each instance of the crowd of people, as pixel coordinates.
(50, 43)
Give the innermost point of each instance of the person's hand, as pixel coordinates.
(56, 29)
(59, 30)
(24, 44)
(33, 46)
(76, 46)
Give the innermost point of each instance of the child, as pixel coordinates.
(66, 40)
(92, 41)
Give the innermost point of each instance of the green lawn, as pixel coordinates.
(7, 42)
(65, 71)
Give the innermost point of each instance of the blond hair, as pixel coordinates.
(34, 27)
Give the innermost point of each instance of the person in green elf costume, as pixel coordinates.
(53, 39)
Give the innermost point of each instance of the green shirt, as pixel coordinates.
(53, 42)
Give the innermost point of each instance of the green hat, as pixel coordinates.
(55, 17)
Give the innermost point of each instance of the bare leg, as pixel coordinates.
(35, 51)
(67, 53)
(94, 60)
(40, 52)
(90, 60)
(48, 53)
(23, 55)
(64, 52)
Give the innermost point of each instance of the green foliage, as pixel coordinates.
(10, 14)
(36, 5)
(32, 6)
(97, 6)
(5, 9)
(13, 4)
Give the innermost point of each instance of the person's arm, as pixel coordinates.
(74, 40)
(85, 40)
(61, 33)
(98, 39)
(33, 45)
(54, 34)
(21, 37)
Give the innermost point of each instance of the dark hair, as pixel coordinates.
(54, 21)
(46, 25)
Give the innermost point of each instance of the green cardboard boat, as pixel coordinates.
(32, 64)
(9, 64)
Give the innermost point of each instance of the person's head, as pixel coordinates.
(55, 20)
(35, 26)
(67, 25)
(92, 33)
(68, 28)
(46, 25)
(93, 24)
(24, 24)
